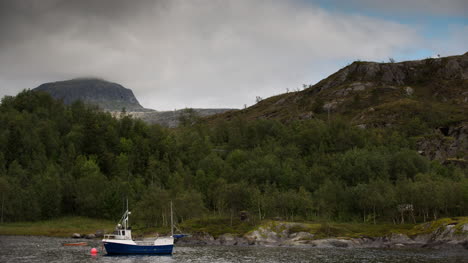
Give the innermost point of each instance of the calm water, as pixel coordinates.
(46, 249)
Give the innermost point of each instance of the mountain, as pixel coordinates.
(114, 97)
(107, 95)
(426, 97)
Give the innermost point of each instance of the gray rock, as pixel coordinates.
(409, 91)
(76, 235)
(450, 144)
(465, 228)
(400, 238)
(332, 242)
(227, 239)
(330, 105)
(251, 240)
(99, 233)
(90, 236)
(301, 236)
(198, 239)
(306, 115)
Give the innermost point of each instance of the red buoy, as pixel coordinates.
(94, 251)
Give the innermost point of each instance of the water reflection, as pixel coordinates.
(45, 249)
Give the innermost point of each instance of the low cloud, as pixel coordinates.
(177, 54)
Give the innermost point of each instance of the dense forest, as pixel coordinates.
(58, 160)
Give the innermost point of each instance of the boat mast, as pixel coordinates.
(126, 223)
(172, 222)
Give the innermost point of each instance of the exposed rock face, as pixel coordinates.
(107, 95)
(281, 234)
(197, 239)
(397, 74)
(451, 144)
(362, 85)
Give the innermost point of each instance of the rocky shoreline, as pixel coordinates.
(281, 235)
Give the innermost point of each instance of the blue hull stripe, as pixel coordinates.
(116, 248)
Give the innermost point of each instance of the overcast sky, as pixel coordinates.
(211, 54)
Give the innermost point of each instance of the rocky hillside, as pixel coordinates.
(430, 94)
(169, 118)
(107, 95)
(440, 234)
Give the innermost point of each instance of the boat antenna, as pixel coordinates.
(172, 222)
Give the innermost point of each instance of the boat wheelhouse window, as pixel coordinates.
(123, 233)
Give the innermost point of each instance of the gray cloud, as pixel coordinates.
(176, 54)
(407, 7)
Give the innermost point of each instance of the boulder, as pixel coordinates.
(465, 228)
(298, 239)
(332, 242)
(90, 236)
(409, 91)
(263, 236)
(76, 235)
(99, 233)
(400, 239)
(301, 236)
(227, 239)
(198, 239)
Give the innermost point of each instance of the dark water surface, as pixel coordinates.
(47, 249)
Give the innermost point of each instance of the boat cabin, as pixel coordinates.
(122, 234)
(122, 230)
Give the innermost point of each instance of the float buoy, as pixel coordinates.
(94, 251)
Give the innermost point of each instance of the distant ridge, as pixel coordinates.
(108, 96)
(113, 97)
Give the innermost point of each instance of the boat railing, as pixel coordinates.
(109, 236)
(112, 236)
(144, 243)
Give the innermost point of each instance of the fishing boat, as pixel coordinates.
(121, 241)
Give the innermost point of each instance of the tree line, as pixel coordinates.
(58, 160)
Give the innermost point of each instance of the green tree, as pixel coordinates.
(90, 189)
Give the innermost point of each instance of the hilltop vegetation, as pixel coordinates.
(436, 85)
(58, 160)
(419, 98)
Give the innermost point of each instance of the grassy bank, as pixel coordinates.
(61, 227)
(217, 226)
